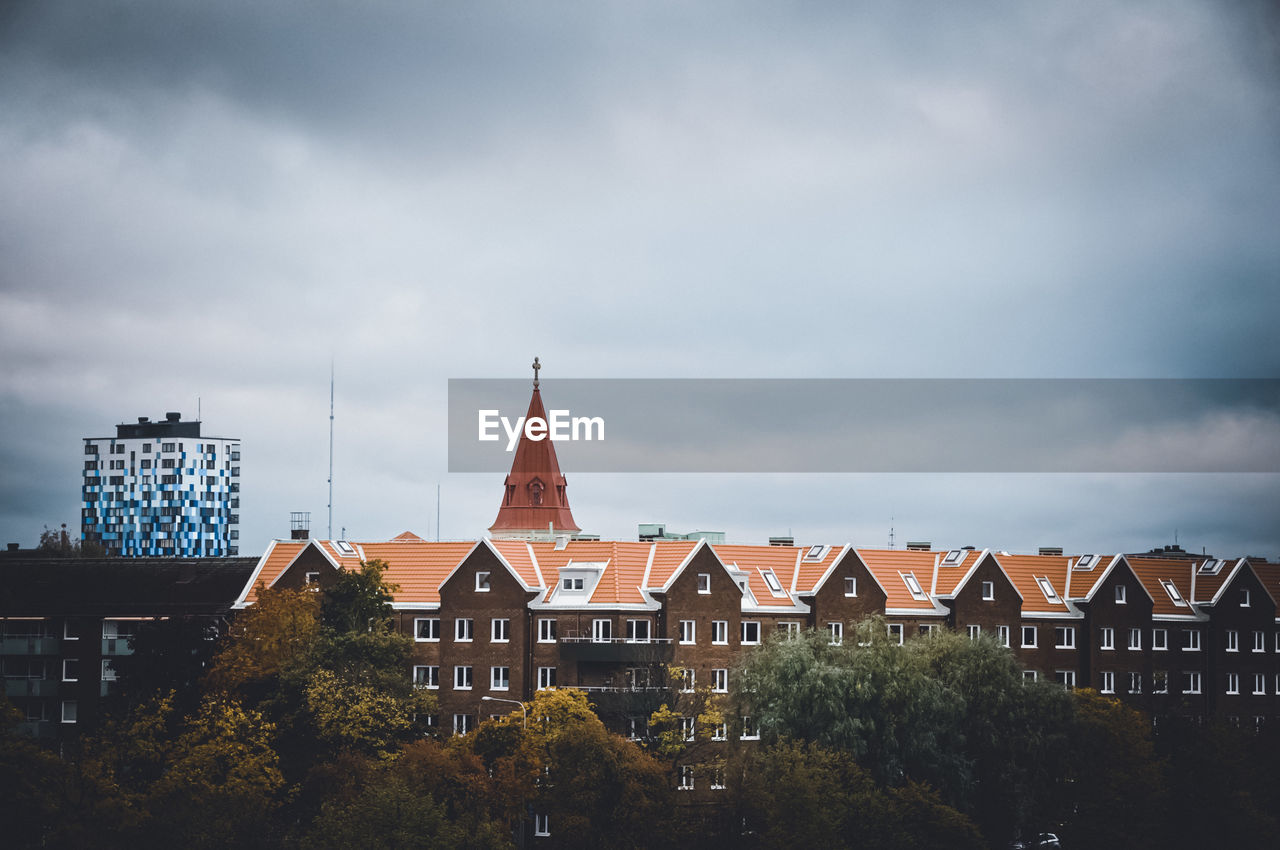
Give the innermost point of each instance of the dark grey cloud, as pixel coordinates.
(214, 200)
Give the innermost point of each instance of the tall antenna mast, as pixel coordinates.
(890, 532)
(331, 449)
(437, 512)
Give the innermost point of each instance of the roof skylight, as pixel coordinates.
(1046, 587)
(913, 585)
(1172, 589)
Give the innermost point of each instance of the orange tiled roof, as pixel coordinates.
(1025, 571)
(755, 561)
(950, 575)
(1153, 572)
(1268, 572)
(889, 566)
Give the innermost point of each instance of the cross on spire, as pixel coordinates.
(536, 367)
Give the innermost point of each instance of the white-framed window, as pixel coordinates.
(1191, 640)
(462, 678)
(637, 631)
(895, 633)
(637, 727)
(108, 672)
(70, 711)
(546, 678)
(1002, 636)
(688, 728)
(686, 777)
(542, 826)
(1259, 641)
(1244, 597)
(482, 582)
(1233, 683)
(688, 631)
(1135, 638)
(687, 679)
(1160, 682)
(463, 724)
(499, 678)
(720, 732)
(975, 631)
(426, 629)
(573, 583)
(1232, 640)
(1160, 639)
(1066, 678)
(70, 630)
(1107, 640)
(71, 669)
(463, 629)
(1174, 595)
(851, 586)
(750, 631)
(988, 591)
(426, 676)
(719, 631)
(720, 680)
(928, 628)
(1029, 675)
(750, 731)
(771, 581)
(1191, 682)
(1029, 637)
(500, 630)
(601, 631)
(789, 629)
(704, 582)
(547, 630)
(1135, 683)
(1046, 587)
(717, 779)
(1259, 684)
(1122, 594)
(913, 586)
(837, 633)
(1277, 641)
(1108, 682)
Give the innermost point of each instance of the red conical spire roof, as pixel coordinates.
(534, 498)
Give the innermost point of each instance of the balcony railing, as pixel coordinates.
(30, 687)
(621, 650)
(29, 646)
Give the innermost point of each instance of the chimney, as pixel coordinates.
(919, 545)
(299, 525)
(173, 416)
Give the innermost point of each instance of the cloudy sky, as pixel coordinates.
(216, 201)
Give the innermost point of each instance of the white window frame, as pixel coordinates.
(546, 678)
(851, 586)
(463, 677)
(897, 633)
(1046, 588)
(1135, 638)
(974, 630)
(1003, 636)
(749, 732)
(70, 711)
(500, 630)
(1034, 632)
(719, 632)
(1259, 684)
(1244, 597)
(634, 628)
(913, 586)
(836, 633)
(688, 679)
(686, 777)
(688, 632)
(463, 630)
(750, 632)
(1232, 637)
(1233, 684)
(1190, 640)
(1175, 595)
(462, 724)
(1108, 682)
(704, 583)
(73, 677)
(1066, 678)
(688, 728)
(1160, 639)
(1107, 640)
(1160, 678)
(432, 627)
(720, 732)
(1259, 640)
(426, 676)
(547, 630)
(601, 631)
(1030, 675)
(499, 678)
(1064, 637)
(988, 591)
(542, 826)
(482, 581)
(1122, 594)
(1135, 682)
(1192, 681)
(720, 680)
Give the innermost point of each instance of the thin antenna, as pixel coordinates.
(890, 532)
(437, 512)
(198, 418)
(330, 449)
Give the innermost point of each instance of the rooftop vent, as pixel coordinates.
(173, 416)
(300, 525)
(782, 541)
(562, 541)
(919, 546)
(143, 420)
(1051, 550)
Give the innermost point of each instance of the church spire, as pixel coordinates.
(534, 497)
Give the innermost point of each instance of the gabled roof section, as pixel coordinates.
(669, 559)
(620, 564)
(1041, 581)
(1157, 575)
(894, 570)
(279, 555)
(757, 565)
(1268, 573)
(954, 573)
(535, 494)
(1085, 583)
(417, 568)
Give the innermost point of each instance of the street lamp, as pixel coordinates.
(524, 723)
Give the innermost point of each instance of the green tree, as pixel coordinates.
(31, 784)
(264, 640)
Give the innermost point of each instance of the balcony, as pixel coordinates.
(616, 650)
(624, 702)
(116, 646)
(30, 687)
(29, 646)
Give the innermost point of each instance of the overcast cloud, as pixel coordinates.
(215, 201)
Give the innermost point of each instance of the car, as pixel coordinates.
(1047, 839)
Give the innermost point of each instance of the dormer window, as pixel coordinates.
(771, 580)
(913, 585)
(573, 583)
(1087, 562)
(345, 548)
(815, 553)
(1172, 589)
(482, 582)
(1244, 598)
(953, 558)
(1046, 587)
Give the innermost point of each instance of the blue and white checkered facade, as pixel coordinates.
(161, 489)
